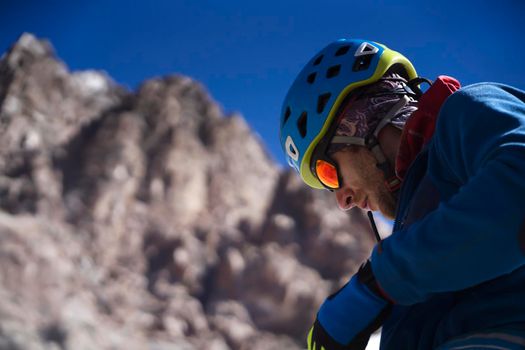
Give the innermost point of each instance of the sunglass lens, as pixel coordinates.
(327, 174)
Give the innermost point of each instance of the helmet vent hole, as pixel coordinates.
(342, 50)
(362, 63)
(311, 78)
(287, 115)
(318, 60)
(301, 124)
(333, 71)
(322, 101)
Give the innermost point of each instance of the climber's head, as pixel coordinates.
(341, 103)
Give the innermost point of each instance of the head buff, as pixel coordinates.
(368, 105)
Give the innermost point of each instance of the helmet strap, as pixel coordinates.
(413, 84)
(392, 182)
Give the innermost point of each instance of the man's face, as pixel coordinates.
(363, 183)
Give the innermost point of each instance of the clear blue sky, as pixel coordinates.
(247, 53)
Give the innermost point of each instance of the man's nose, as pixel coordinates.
(344, 198)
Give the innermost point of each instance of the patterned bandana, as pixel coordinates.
(361, 115)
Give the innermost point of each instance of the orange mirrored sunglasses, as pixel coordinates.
(327, 174)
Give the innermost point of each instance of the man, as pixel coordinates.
(449, 166)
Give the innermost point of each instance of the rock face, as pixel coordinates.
(150, 220)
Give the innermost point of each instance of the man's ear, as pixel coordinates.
(389, 139)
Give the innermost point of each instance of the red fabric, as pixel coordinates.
(420, 126)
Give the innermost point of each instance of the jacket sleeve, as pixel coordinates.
(478, 233)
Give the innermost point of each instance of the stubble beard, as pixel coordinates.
(386, 202)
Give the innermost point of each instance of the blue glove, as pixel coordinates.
(347, 318)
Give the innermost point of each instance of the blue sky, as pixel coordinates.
(247, 53)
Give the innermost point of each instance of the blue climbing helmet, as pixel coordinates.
(314, 98)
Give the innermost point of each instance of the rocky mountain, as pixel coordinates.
(148, 219)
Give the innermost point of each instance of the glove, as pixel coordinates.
(347, 318)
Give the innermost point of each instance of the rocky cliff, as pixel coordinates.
(148, 219)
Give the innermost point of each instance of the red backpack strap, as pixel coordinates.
(420, 126)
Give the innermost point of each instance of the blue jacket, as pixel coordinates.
(455, 262)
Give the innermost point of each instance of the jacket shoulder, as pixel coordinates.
(484, 96)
